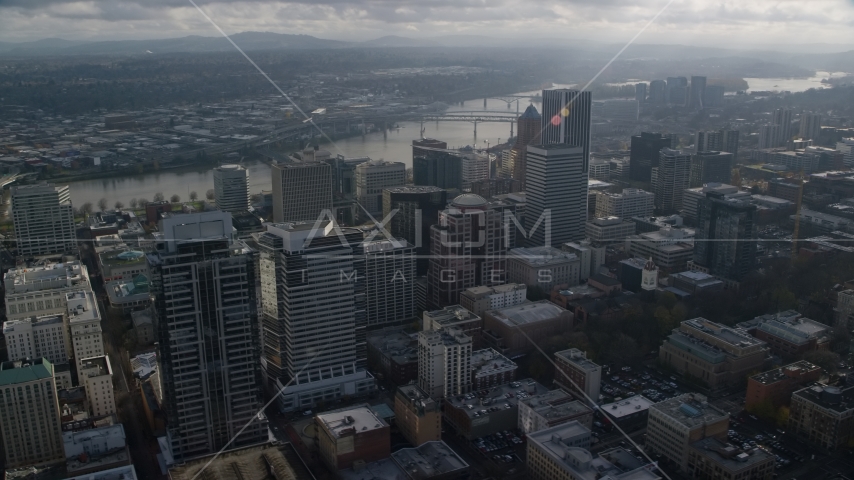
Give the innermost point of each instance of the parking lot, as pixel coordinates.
(627, 381)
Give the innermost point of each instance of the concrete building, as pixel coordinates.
(810, 128)
(632, 202)
(645, 156)
(475, 167)
(480, 299)
(444, 362)
(556, 194)
(726, 236)
(502, 329)
(386, 271)
(97, 376)
(143, 327)
(591, 255)
(695, 283)
(430, 461)
(43, 219)
(550, 409)
(789, 334)
(32, 434)
(577, 374)
(122, 265)
(823, 416)
(41, 290)
(670, 248)
(566, 120)
(231, 188)
(542, 267)
(204, 288)
(713, 459)
(711, 167)
(712, 354)
(351, 434)
(308, 298)
(678, 422)
(630, 414)
(84, 323)
(561, 453)
(490, 368)
(301, 191)
(775, 387)
(609, 230)
(441, 169)
(468, 248)
(489, 411)
(692, 196)
(454, 316)
(394, 354)
(673, 178)
(418, 416)
(37, 337)
(371, 178)
(94, 450)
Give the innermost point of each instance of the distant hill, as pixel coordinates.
(398, 41)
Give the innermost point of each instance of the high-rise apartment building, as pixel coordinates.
(309, 313)
(37, 337)
(41, 290)
(657, 92)
(418, 209)
(632, 202)
(810, 126)
(698, 92)
(84, 322)
(710, 167)
(386, 272)
(371, 178)
(231, 188)
(441, 169)
(556, 194)
(677, 91)
(673, 177)
(468, 248)
(32, 433)
(709, 141)
(725, 238)
(567, 120)
(644, 155)
(301, 191)
(768, 136)
(444, 362)
(43, 219)
(783, 119)
(209, 343)
(475, 167)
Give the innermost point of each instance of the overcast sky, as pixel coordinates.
(743, 23)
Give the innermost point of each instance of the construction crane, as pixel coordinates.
(797, 229)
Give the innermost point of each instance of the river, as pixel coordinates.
(395, 146)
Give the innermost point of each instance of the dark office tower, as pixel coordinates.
(203, 285)
(714, 96)
(730, 143)
(674, 173)
(640, 92)
(810, 126)
(438, 169)
(657, 92)
(424, 145)
(698, 92)
(677, 90)
(557, 193)
(468, 248)
(708, 167)
(783, 120)
(566, 119)
(725, 239)
(301, 191)
(644, 154)
(709, 141)
(313, 321)
(529, 125)
(418, 209)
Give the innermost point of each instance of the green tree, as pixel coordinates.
(194, 196)
(102, 204)
(175, 198)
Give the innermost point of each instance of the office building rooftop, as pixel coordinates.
(483, 402)
(793, 370)
(835, 399)
(23, 371)
(629, 406)
(489, 362)
(527, 313)
(690, 410)
(555, 405)
(541, 256)
(729, 457)
(345, 422)
(579, 359)
(82, 307)
(261, 462)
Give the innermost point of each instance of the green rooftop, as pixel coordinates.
(25, 371)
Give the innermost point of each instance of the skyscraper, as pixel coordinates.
(529, 125)
(708, 167)
(725, 240)
(783, 119)
(309, 313)
(417, 210)
(810, 126)
(32, 433)
(674, 172)
(640, 92)
(557, 194)
(657, 92)
(231, 188)
(768, 136)
(698, 92)
(468, 248)
(566, 120)
(644, 154)
(43, 219)
(438, 169)
(730, 142)
(209, 341)
(424, 145)
(371, 177)
(717, 141)
(677, 90)
(386, 269)
(301, 191)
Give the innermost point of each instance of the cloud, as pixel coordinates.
(721, 22)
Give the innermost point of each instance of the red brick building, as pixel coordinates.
(776, 386)
(350, 434)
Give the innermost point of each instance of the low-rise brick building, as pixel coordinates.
(775, 386)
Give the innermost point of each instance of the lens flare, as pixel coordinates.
(556, 120)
